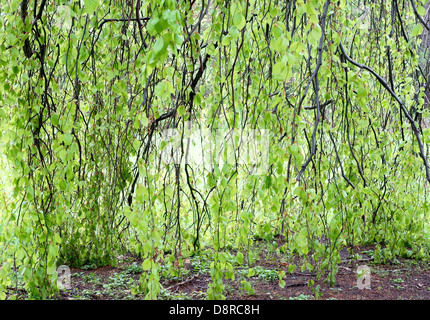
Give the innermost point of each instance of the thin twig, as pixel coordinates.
(122, 20)
(183, 282)
(326, 103)
(315, 77)
(202, 14)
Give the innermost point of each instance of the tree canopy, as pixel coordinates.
(167, 127)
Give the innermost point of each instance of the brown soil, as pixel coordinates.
(405, 280)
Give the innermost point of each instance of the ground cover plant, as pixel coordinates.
(223, 149)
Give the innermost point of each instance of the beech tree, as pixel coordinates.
(169, 127)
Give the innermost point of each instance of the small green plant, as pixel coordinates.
(134, 268)
(247, 287)
(266, 274)
(89, 266)
(317, 292)
(91, 278)
(200, 264)
(368, 252)
(281, 276)
(315, 289)
(302, 296)
(119, 281)
(86, 294)
(98, 294)
(167, 295)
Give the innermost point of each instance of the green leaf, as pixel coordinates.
(140, 194)
(282, 283)
(63, 185)
(362, 92)
(20, 254)
(55, 119)
(421, 11)
(280, 71)
(251, 272)
(67, 138)
(144, 120)
(310, 10)
(247, 287)
(159, 89)
(226, 40)
(146, 264)
(234, 32)
(178, 39)
(239, 21)
(150, 26)
(239, 257)
(161, 25)
(168, 87)
(417, 30)
(156, 26)
(181, 110)
(158, 47)
(136, 145)
(53, 251)
(316, 33)
(294, 149)
(198, 98)
(91, 6)
(426, 135)
(172, 18)
(268, 182)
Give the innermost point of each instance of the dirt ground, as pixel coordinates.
(405, 279)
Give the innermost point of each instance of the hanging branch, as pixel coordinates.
(139, 23)
(123, 20)
(322, 105)
(351, 148)
(340, 162)
(402, 106)
(27, 47)
(315, 76)
(418, 15)
(39, 15)
(203, 12)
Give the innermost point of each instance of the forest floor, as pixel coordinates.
(406, 279)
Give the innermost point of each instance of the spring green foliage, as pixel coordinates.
(88, 87)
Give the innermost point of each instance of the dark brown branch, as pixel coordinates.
(27, 47)
(402, 106)
(340, 162)
(39, 15)
(315, 77)
(322, 105)
(139, 23)
(418, 16)
(202, 14)
(122, 20)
